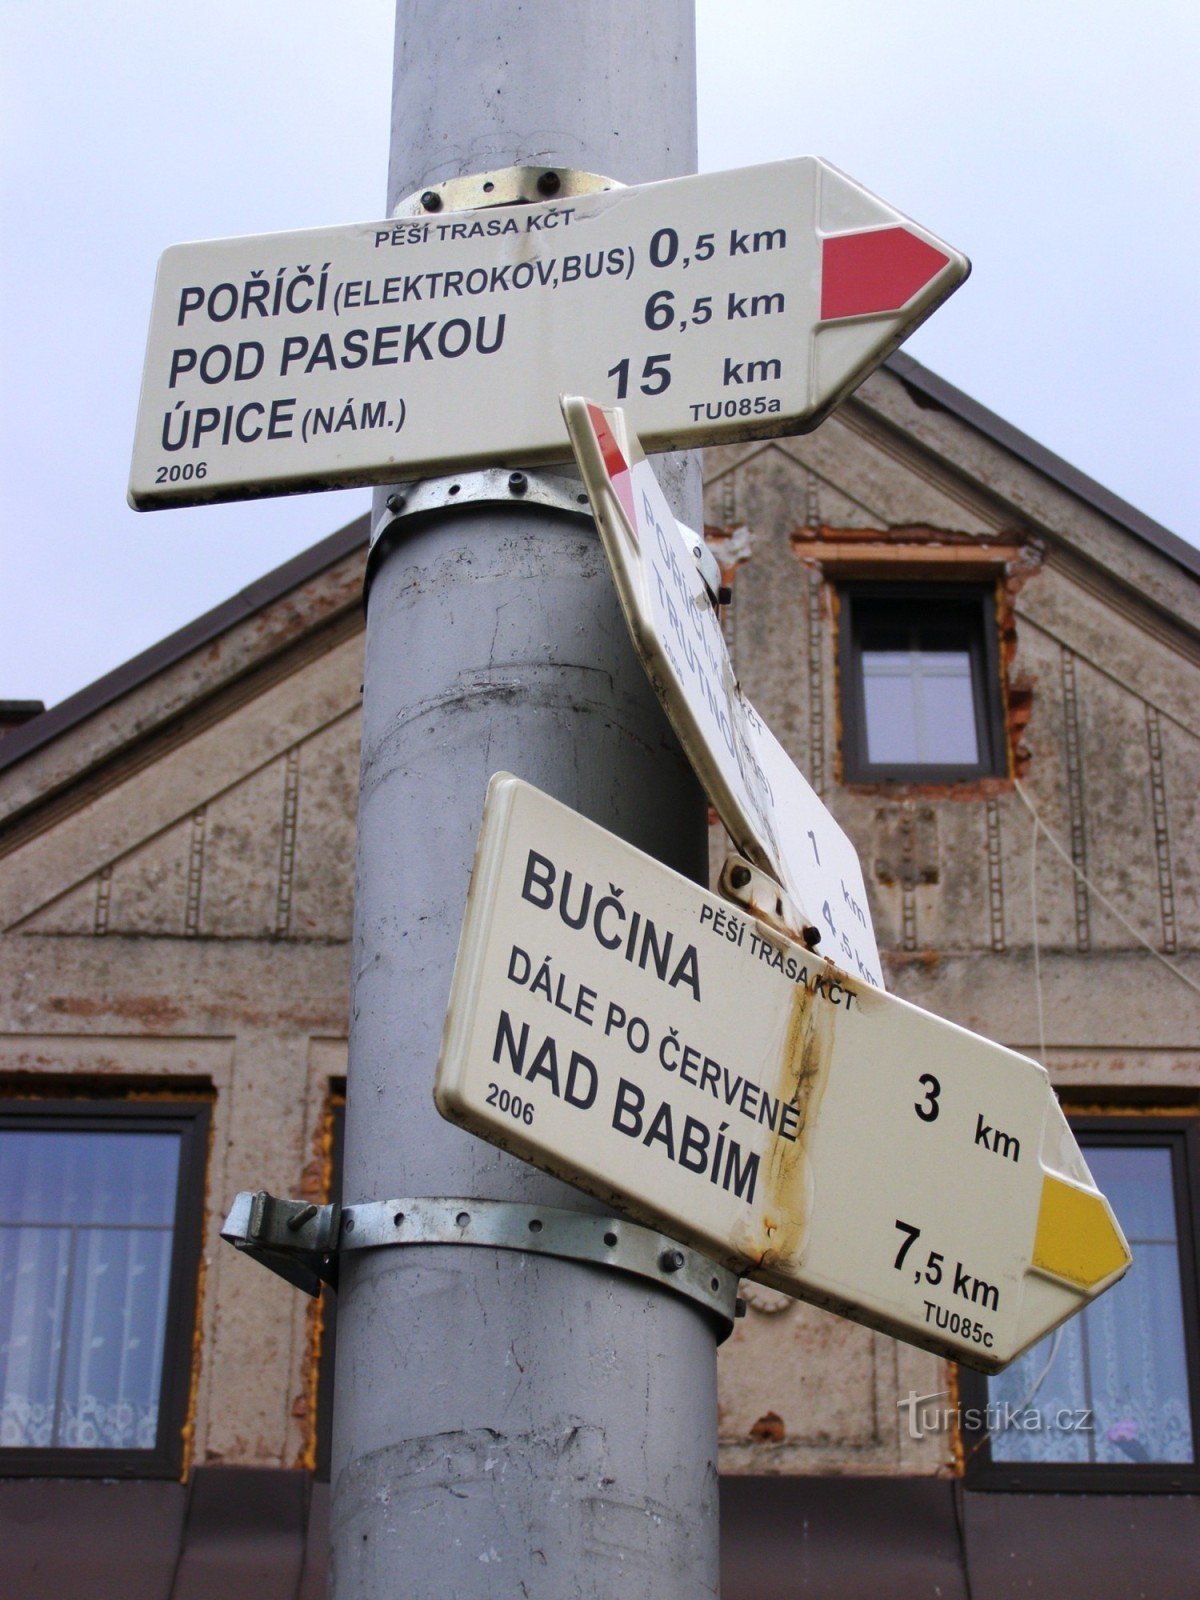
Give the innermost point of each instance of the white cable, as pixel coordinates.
(1100, 895)
(1037, 954)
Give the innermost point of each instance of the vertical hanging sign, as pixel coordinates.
(773, 814)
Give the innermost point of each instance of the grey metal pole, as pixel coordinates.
(508, 1424)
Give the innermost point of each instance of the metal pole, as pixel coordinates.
(508, 1424)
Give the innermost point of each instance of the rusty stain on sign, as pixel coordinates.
(787, 1170)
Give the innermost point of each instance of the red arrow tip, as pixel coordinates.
(865, 273)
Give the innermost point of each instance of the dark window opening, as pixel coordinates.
(920, 683)
(101, 1208)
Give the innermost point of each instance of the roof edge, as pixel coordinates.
(40, 730)
(914, 376)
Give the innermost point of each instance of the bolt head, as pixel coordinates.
(549, 183)
(671, 1260)
(740, 877)
(396, 502)
(431, 200)
(517, 483)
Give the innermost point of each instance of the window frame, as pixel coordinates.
(190, 1120)
(1181, 1135)
(977, 602)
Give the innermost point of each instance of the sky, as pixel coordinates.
(1056, 142)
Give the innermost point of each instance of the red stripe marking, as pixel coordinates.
(866, 273)
(615, 463)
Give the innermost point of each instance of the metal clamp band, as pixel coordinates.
(302, 1241)
(407, 503)
(555, 490)
(506, 186)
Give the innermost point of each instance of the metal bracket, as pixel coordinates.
(506, 186)
(296, 1239)
(553, 491)
(302, 1242)
(709, 567)
(408, 502)
(757, 892)
(481, 191)
(557, 491)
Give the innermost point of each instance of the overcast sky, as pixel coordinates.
(1054, 141)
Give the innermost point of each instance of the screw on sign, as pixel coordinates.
(732, 305)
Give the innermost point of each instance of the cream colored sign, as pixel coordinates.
(734, 305)
(622, 1028)
(773, 814)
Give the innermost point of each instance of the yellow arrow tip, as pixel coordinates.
(1078, 1239)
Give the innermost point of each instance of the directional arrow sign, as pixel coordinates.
(734, 305)
(618, 1026)
(774, 816)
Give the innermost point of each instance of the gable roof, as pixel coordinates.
(926, 385)
(925, 388)
(130, 674)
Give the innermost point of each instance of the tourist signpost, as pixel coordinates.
(636, 1035)
(703, 1066)
(731, 305)
(609, 1021)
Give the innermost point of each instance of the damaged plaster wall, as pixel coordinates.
(176, 873)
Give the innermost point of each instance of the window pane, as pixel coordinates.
(34, 1267)
(1123, 1359)
(1139, 1372)
(1139, 1189)
(1032, 1420)
(51, 1176)
(920, 707)
(947, 708)
(891, 707)
(115, 1342)
(86, 1224)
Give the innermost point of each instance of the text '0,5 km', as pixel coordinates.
(618, 1026)
(732, 305)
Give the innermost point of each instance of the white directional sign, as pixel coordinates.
(774, 816)
(618, 1026)
(734, 305)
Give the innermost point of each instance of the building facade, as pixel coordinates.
(988, 667)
